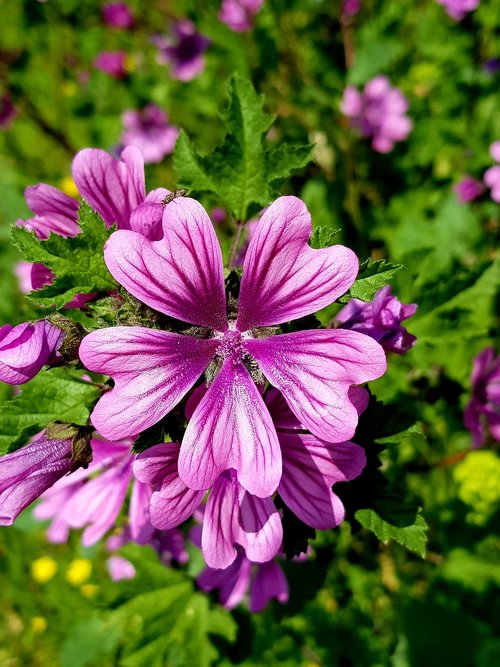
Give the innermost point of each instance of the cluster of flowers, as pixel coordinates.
(245, 440)
(470, 188)
(379, 112)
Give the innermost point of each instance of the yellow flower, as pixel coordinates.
(38, 624)
(89, 590)
(43, 569)
(79, 570)
(478, 481)
(68, 186)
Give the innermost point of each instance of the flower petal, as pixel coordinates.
(283, 277)
(260, 530)
(172, 502)
(152, 371)
(182, 274)
(113, 187)
(310, 467)
(220, 522)
(270, 582)
(314, 369)
(231, 428)
(26, 348)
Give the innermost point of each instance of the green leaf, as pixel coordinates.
(52, 395)
(241, 171)
(405, 526)
(170, 623)
(322, 237)
(373, 275)
(77, 262)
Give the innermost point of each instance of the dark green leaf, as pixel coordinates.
(402, 524)
(373, 275)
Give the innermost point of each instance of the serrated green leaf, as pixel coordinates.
(240, 171)
(77, 262)
(52, 395)
(372, 276)
(410, 533)
(323, 237)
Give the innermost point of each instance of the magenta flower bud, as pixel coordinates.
(351, 7)
(482, 414)
(239, 14)
(112, 63)
(183, 50)
(26, 348)
(150, 132)
(468, 189)
(380, 319)
(378, 112)
(495, 151)
(28, 472)
(120, 568)
(458, 9)
(117, 15)
(492, 180)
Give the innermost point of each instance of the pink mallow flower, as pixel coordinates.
(482, 414)
(235, 519)
(26, 348)
(264, 581)
(118, 15)
(183, 50)
(116, 189)
(150, 132)
(378, 112)
(182, 276)
(381, 319)
(239, 14)
(492, 175)
(112, 63)
(351, 7)
(458, 9)
(28, 472)
(468, 189)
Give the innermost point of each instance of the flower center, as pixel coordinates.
(231, 345)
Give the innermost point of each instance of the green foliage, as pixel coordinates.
(323, 237)
(77, 262)
(372, 276)
(395, 522)
(241, 171)
(53, 395)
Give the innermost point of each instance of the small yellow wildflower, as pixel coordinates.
(478, 480)
(43, 569)
(79, 571)
(38, 624)
(68, 186)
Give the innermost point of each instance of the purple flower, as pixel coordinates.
(93, 498)
(150, 132)
(54, 211)
(120, 568)
(26, 348)
(482, 414)
(492, 65)
(381, 319)
(492, 175)
(112, 63)
(265, 581)
(495, 151)
(183, 50)
(117, 15)
(182, 276)
(7, 111)
(378, 112)
(351, 7)
(28, 472)
(468, 189)
(239, 14)
(235, 519)
(458, 9)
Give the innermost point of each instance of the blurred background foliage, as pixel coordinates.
(355, 601)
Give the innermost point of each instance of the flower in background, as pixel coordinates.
(468, 189)
(183, 50)
(478, 481)
(118, 15)
(492, 65)
(351, 7)
(482, 414)
(26, 348)
(149, 131)
(381, 319)
(112, 63)
(458, 9)
(28, 472)
(492, 175)
(378, 112)
(239, 14)
(7, 111)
